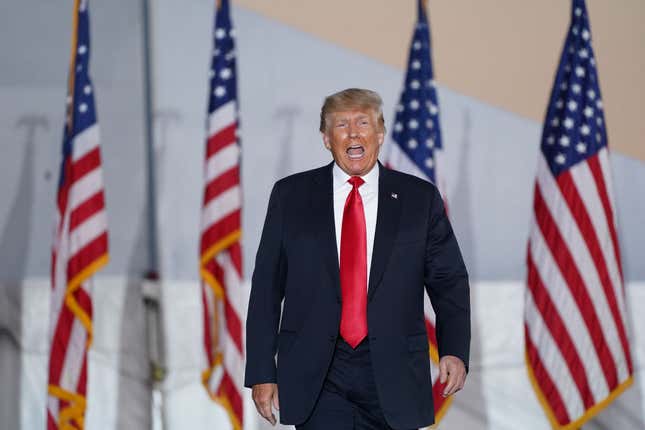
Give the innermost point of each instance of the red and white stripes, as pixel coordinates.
(221, 264)
(575, 318)
(80, 249)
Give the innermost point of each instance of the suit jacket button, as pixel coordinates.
(332, 338)
(372, 338)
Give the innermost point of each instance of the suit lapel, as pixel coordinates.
(322, 205)
(387, 222)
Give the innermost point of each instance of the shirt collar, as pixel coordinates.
(340, 177)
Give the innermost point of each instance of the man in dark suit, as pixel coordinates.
(352, 349)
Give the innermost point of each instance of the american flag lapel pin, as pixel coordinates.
(394, 195)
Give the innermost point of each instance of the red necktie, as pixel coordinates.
(353, 267)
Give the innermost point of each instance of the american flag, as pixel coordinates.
(220, 251)
(415, 148)
(577, 348)
(80, 246)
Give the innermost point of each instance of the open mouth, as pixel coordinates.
(355, 152)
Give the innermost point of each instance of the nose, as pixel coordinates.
(353, 130)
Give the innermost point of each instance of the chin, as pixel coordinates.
(356, 167)
(357, 170)
(362, 166)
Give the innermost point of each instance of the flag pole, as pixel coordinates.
(69, 117)
(150, 284)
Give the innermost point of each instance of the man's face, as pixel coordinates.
(354, 138)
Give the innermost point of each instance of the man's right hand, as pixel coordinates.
(264, 396)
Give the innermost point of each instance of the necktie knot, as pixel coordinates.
(356, 181)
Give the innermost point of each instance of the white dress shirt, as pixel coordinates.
(369, 195)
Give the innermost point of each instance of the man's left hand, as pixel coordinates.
(452, 372)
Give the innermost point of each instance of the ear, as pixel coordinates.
(326, 141)
(381, 138)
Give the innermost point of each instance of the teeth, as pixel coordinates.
(355, 152)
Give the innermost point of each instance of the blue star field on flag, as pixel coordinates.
(81, 113)
(416, 125)
(574, 127)
(223, 80)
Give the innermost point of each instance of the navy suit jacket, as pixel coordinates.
(295, 302)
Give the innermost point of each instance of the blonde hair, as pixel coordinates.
(352, 98)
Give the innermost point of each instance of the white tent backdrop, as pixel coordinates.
(283, 77)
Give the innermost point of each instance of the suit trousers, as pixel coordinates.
(348, 400)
